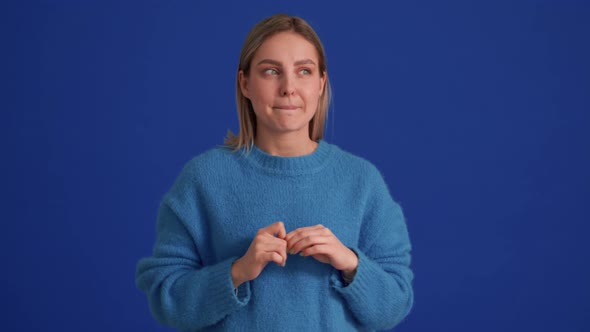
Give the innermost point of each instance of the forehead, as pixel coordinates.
(285, 47)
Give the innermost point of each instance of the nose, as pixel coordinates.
(287, 86)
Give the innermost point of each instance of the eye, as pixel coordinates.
(305, 71)
(271, 71)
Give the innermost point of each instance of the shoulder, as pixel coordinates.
(215, 161)
(355, 164)
(368, 180)
(204, 168)
(214, 158)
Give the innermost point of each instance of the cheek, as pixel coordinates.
(312, 89)
(264, 92)
(312, 97)
(257, 96)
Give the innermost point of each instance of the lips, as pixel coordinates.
(286, 107)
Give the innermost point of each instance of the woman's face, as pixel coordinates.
(284, 84)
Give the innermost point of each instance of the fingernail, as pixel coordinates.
(301, 254)
(291, 252)
(284, 264)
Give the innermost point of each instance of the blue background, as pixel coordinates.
(477, 114)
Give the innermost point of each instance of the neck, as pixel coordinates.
(286, 145)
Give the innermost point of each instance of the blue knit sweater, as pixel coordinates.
(212, 213)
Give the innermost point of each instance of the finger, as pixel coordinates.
(301, 230)
(341, 258)
(269, 243)
(296, 235)
(273, 256)
(307, 242)
(277, 229)
(319, 249)
(283, 254)
(279, 246)
(307, 233)
(300, 240)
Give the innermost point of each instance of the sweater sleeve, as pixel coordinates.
(182, 292)
(381, 294)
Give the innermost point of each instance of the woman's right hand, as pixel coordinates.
(269, 245)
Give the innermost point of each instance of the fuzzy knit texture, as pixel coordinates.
(217, 204)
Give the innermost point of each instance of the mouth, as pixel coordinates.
(285, 107)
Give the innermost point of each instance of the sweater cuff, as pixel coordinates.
(227, 294)
(361, 285)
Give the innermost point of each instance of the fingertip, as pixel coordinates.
(278, 259)
(280, 229)
(288, 236)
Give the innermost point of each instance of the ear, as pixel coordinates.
(243, 80)
(323, 82)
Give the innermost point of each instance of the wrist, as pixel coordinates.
(347, 276)
(354, 262)
(349, 272)
(236, 276)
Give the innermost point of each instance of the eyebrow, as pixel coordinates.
(279, 64)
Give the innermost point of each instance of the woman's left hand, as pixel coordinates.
(320, 243)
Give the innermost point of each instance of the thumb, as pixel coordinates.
(277, 229)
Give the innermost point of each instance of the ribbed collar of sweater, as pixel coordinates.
(299, 165)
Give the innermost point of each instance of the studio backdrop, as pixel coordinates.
(476, 114)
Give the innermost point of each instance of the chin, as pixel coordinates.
(293, 127)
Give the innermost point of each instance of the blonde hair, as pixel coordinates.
(259, 33)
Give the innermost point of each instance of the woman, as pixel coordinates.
(277, 193)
